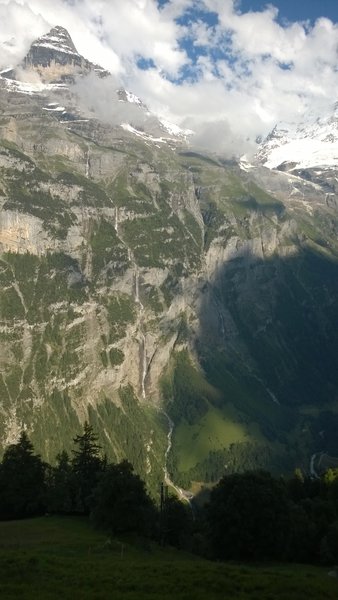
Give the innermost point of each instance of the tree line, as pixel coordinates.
(85, 483)
(248, 516)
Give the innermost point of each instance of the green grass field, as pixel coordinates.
(213, 431)
(53, 557)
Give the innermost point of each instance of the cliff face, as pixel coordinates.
(139, 278)
(54, 58)
(91, 239)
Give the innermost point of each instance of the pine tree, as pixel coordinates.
(87, 465)
(22, 481)
(61, 485)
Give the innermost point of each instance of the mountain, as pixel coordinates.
(50, 70)
(55, 59)
(185, 305)
(294, 146)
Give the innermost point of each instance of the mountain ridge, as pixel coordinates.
(142, 280)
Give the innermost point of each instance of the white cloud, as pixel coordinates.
(98, 98)
(17, 22)
(252, 71)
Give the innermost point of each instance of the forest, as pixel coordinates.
(250, 516)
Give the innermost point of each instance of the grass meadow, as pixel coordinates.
(52, 558)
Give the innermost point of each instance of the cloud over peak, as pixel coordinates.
(194, 61)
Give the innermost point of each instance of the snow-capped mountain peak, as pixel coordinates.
(311, 143)
(48, 73)
(57, 40)
(55, 59)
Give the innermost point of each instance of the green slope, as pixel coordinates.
(52, 558)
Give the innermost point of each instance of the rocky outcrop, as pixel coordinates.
(23, 233)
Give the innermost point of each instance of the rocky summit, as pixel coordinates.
(185, 305)
(54, 58)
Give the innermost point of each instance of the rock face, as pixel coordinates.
(56, 46)
(139, 278)
(55, 59)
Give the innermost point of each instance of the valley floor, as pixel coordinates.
(52, 557)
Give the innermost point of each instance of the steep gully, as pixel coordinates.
(182, 494)
(313, 472)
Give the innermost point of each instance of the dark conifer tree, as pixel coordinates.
(87, 466)
(61, 486)
(22, 481)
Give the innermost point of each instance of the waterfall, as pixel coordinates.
(137, 290)
(116, 219)
(87, 164)
(167, 479)
(144, 365)
(182, 494)
(271, 394)
(221, 318)
(137, 297)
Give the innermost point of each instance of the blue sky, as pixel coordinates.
(227, 69)
(288, 11)
(297, 10)
(291, 10)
